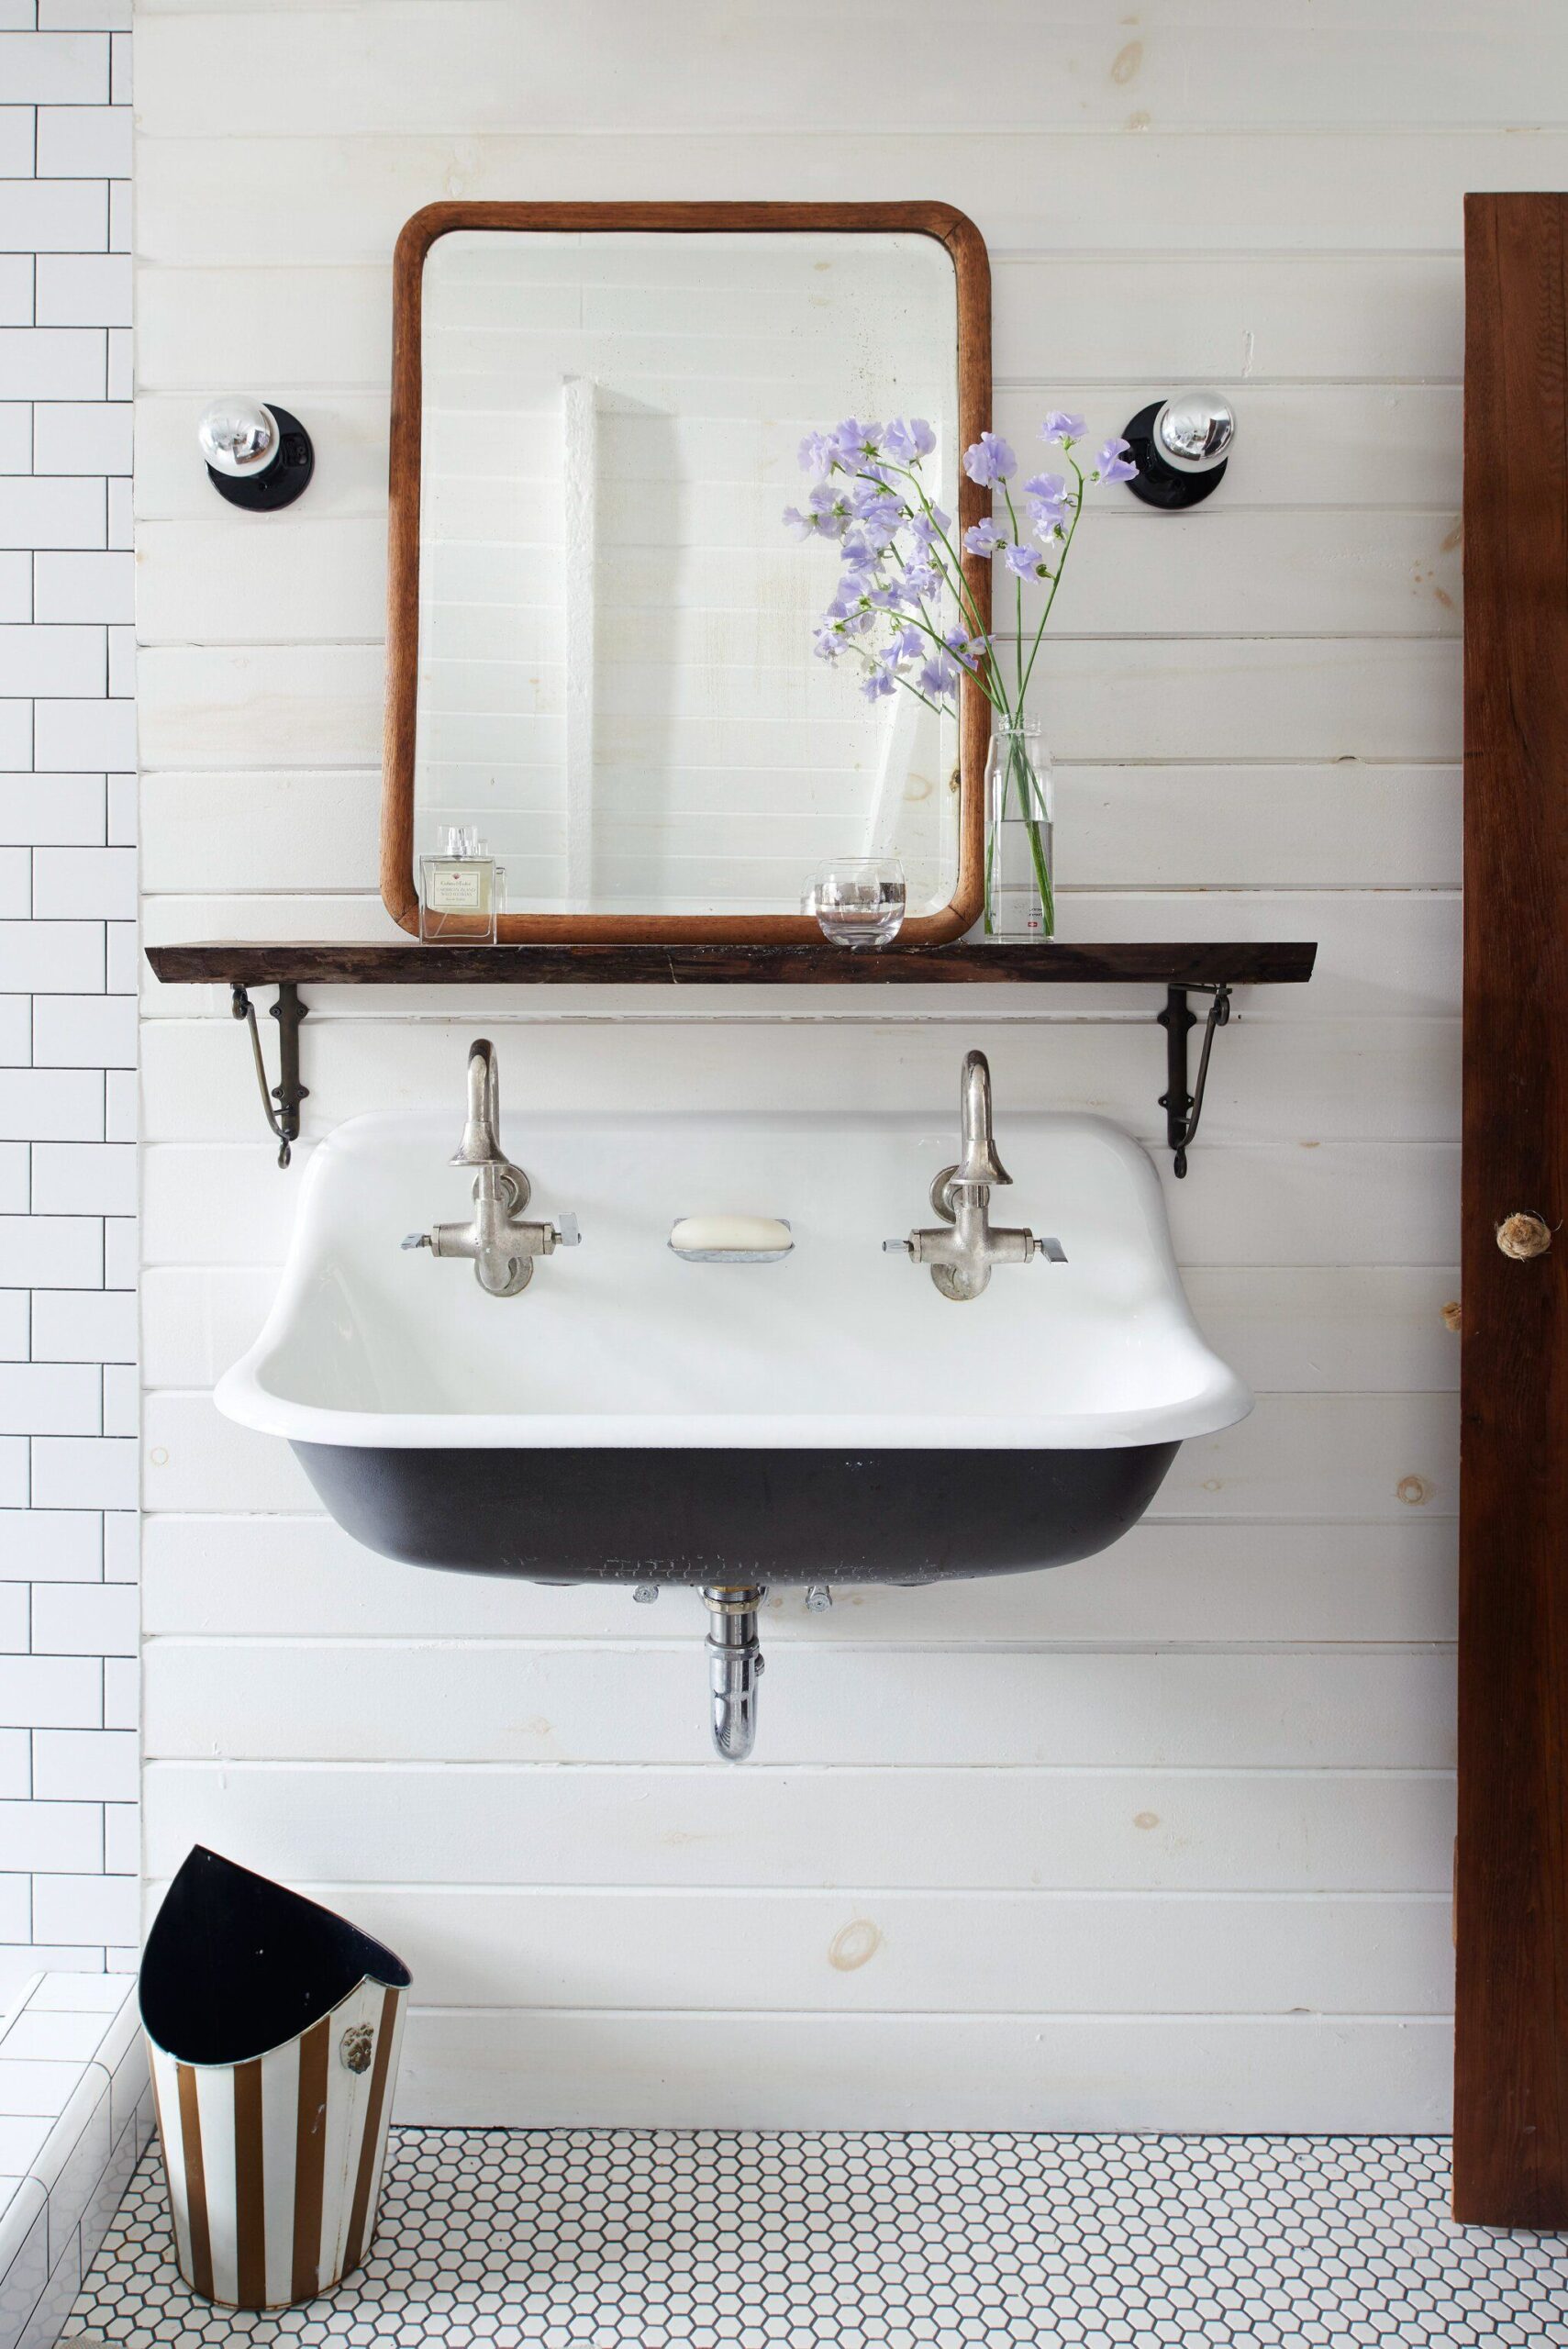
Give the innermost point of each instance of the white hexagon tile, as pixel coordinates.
(668, 2239)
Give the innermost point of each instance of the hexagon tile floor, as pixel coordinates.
(709, 2239)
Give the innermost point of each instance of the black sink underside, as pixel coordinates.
(736, 1517)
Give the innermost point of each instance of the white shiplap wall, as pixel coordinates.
(1161, 1840)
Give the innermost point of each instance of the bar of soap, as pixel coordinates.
(734, 1235)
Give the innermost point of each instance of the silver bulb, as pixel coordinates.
(239, 435)
(1193, 431)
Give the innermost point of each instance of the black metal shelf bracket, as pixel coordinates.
(288, 1091)
(1183, 1110)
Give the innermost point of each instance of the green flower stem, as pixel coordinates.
(959, 583)
(1018, 601)
(1018, 770)
(1056, 576)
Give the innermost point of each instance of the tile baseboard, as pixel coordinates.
(75, 2116)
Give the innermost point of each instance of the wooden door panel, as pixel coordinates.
(1511, 1873)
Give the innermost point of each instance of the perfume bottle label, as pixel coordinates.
(455, 888)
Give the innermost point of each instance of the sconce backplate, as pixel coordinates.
(285, 480)
(1158, 483)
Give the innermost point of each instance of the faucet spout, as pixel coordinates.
(977, 1160)
(480, 1143)
(496, 1241)
(963, 1251)
(735, 1662)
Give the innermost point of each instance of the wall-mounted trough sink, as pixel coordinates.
(823, 1415)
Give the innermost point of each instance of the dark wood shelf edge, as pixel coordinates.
(1272, 962)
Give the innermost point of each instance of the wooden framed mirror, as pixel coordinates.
(599, 647)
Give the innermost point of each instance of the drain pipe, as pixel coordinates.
(734, 1666)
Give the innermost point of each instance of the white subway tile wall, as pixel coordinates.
(67, 1400)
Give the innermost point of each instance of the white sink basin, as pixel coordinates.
(828, 1417)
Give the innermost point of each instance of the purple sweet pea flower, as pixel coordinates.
(907, 441)
(1061, 429)
(850, 622)
(926, 526)
(855, 443)
(881, 682)
(816, 453)
(1112, 462)
(938, 678)
(878, 512)
(990, 460)
(965, 649)
(1024, 562)
(827, 640)
(832, 514)
(823, 520)
(1052, 487)
(1049, 515)
(983, 538)
(908, 642)
(922, 581)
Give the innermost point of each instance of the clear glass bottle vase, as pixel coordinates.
(1020, 901)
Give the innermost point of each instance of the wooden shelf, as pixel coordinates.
(1195, 965)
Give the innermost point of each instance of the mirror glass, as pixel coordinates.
(616, 685)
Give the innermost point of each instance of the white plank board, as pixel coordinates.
(313, 835)
(412, 65)
(201, 199)
(898, 1953)
(230, 1577)
(1229, 571)
(1372, 1080)
(1305, 2073)
(515, 1701)
(1299, 444)
(317, 706)
(1059, 319)
(855, 1829)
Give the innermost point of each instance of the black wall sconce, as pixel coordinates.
(257, 455)
(1180, 448)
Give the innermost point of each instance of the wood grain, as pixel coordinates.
(972, 278)
(1511, 1877)
(236, 961)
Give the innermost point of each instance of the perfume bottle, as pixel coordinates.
(462, 891)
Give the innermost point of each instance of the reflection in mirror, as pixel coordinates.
(616, 687)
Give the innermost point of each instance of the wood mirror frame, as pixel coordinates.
(971, 273)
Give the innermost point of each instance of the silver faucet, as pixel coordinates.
(501, 1247)
(963, 1248)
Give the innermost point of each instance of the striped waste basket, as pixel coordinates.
(273, 2029)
